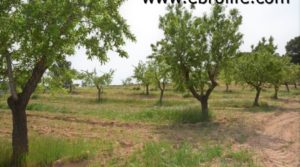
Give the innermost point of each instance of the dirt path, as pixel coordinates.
(278, 142)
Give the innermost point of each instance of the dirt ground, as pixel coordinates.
(277, 140)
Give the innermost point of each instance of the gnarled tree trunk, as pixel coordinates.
(258, 90)
(18, 104)
(227, 87)
(204, 107)
(276, 88)
(99, 93)
(162, 90)
(287, 86)
(20, 132)
(147, 89)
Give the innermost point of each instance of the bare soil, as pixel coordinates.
(278, 139)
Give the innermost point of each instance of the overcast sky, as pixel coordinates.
(280, 21)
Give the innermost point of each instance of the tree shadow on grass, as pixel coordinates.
(230, 131)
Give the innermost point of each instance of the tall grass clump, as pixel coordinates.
(5, 153)
(240, 158)
(165, 155)
(45, 150)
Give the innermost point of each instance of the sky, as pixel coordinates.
(282, 21)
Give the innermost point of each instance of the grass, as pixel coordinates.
(170, 115)
(5, 152)
(45, 150)
(173, 115)
(239, 158)
(163, 154)
(46, 107)
(157, 144)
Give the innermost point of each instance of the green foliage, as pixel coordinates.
(60, 75)
(48, 32)
(227, 73)
(127, 81)
(197, 48)
(92, 79)
(99, 82)
(293, 73)
(160, 69)
(142, 73)
(194, 58)
(293, 50)
(258, 68)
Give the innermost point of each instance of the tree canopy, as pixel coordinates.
(99, 81)
(142, 74)
(35, 34)
(196, 48)
(293, 50)
(258, 68)
(160, 71)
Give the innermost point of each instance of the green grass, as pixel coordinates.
(46, 107)
(45, 150)
(172, 115)
(3, 106)
(5, 152)
(169, 114)
(164, 154)
(239, 158)
(124, 105)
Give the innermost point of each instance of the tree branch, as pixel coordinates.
(12, 83)
(33, 81)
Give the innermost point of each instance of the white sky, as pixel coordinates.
(280, 21)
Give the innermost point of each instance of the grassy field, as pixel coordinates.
(129, 129)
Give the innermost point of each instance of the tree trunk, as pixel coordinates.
(287, 86)
(162, 90)
(276, 88)
(18, 107)
(204, 108)
(147, 89)
(70, 88)
(227, 87)
(258, 90)
(295, 83)
(99, 95)
(161, 96)
(19, 135)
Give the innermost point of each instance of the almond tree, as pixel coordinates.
(160, 71)
(256, 69)
(91, 78)
(143, 75)
(196, 48)
(61, 75)
(34, 34)
(281, 71)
